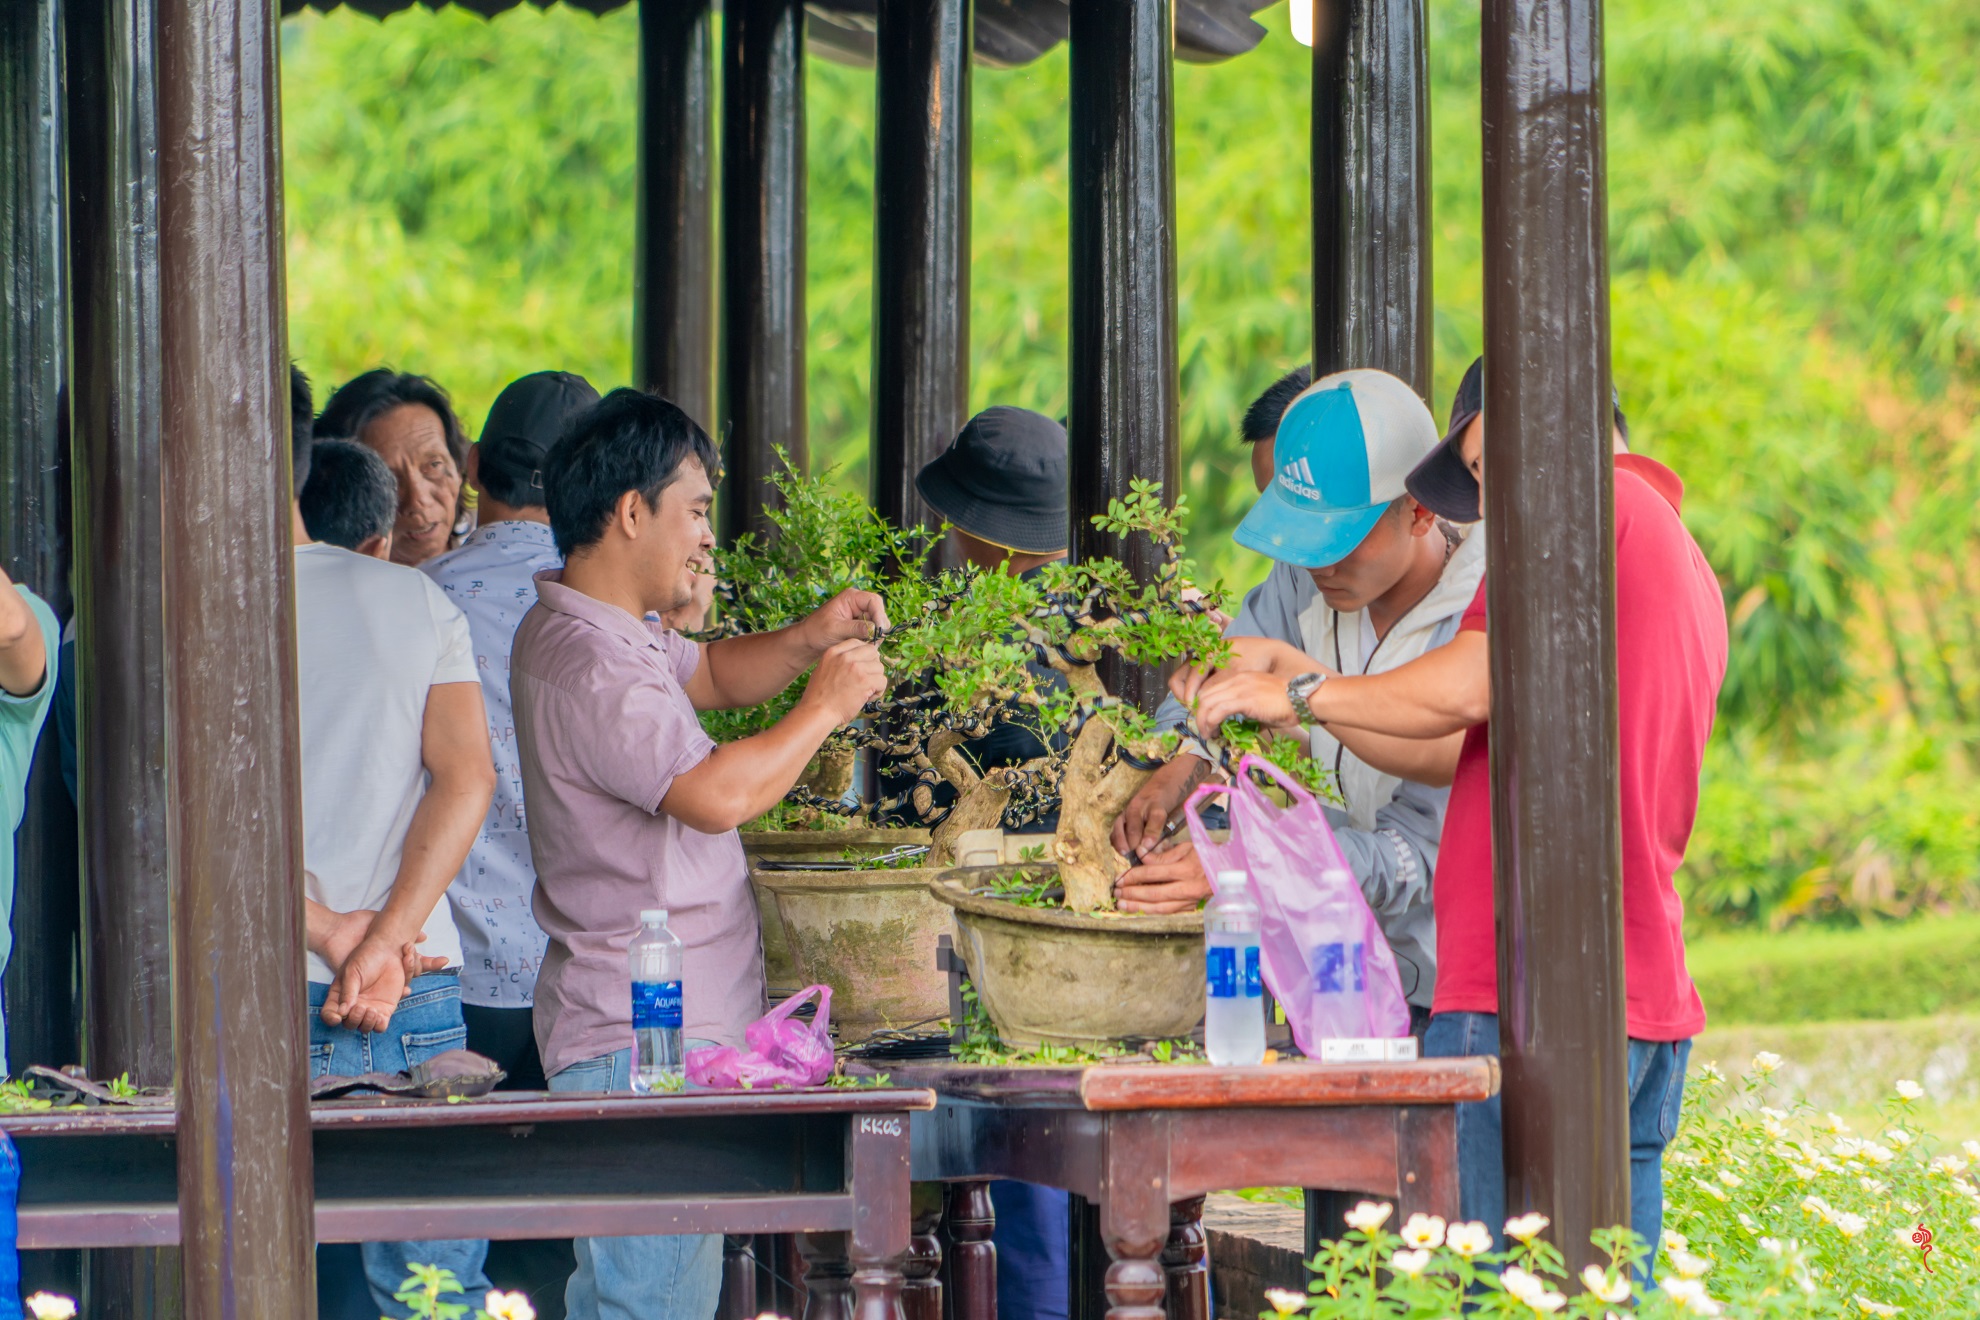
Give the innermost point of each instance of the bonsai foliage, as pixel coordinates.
(969, 650)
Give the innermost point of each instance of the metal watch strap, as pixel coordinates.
(1299, 689)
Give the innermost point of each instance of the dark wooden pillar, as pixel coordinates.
(119, 581)
(763, 325)
(674, 257)
(1371, 189)
(1124, 401)
(920, 384)
(245, 1201)
(43, 966)
(1550, 528)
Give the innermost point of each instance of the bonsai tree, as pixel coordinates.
(963, 655)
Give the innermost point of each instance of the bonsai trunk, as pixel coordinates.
(830, 773)
(1092, 798)
(980, 799)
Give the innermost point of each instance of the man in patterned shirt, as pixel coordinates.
(492, 578)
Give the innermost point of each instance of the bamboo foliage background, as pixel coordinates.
(1795, 227)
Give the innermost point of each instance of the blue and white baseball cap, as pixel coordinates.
(1344, 449)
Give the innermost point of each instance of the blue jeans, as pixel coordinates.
(428, 1023)
(638, 1278)
(1656, 1093)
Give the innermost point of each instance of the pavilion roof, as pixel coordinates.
(1008, 32)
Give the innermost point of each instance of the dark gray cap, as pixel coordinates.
(1003, 481)
(525, 420)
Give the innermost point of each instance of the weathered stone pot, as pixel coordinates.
(779, 969)
(871, 936)
(1051, 977)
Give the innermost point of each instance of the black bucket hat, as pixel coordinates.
(1442, 483)
(525, 420)
(1003, 481)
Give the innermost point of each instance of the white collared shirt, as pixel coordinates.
(492, 578)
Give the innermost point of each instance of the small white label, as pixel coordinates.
(880, 1127)
(1400, 1050)
(1352, 1049)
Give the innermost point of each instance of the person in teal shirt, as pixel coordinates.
(28, 640)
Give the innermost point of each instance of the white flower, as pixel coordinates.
(1771, 1245)
(1875, 1188)
(1369, 1215)
(1411, 1263)
(1285, 1301)
(1950, 1165)
(1910, 1090)
(1530, 1290)
(1850, 1225)
(1675, 1241)
(1898, 1137)
(1815, 1205)
(1773, 1127)
(1525, 1228)
(1606, 1287)
(1711, 1191)
(508, 1306)
(50, 1306)
(1874, 1308)
(1729, 1178)
(1709, 1072)
(1836, 1124)
(1690, 1266)
(1468, 1239)
(1878, 1154)
(1974, 1220)
(1689, 1295)
(1972, 1148)
(1766, 1061)
(1802, 1171)
(1847, 1148)
(1424, 1231)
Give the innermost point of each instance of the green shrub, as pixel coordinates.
(1918, 968)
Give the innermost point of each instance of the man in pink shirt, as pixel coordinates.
(630, 804)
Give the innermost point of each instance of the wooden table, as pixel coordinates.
(830, 1165)
(1141, 1144)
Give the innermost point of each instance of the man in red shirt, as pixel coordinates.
(1427, 718)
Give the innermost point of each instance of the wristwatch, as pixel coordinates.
(1299, 690)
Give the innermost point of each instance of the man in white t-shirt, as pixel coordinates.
(396, 780)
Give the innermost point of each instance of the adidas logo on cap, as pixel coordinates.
(1297, 477)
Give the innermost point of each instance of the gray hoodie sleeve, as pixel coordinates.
(1394, 863)
(1270, 609)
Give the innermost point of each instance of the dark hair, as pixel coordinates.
(351, 496)
(504, 486)
(1261, 419)
(300, 430)
(625, 441)
(362, 400)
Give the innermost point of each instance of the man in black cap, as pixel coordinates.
(492, 578)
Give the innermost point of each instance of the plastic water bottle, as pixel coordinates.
(656, 1005)
(1234, 1012)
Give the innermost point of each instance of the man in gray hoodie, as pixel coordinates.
(1365, 579)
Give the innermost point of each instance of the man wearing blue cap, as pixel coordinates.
(1367, 578)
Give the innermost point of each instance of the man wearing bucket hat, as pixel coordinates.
(1366, 579)
(1671, 651)
(1001, 487)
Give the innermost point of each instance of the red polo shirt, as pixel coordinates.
(1671, 660)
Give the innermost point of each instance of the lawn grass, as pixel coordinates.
(1897, 971)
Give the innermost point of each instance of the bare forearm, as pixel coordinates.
(741, 780)
(743, 671)
(319, 924)
(1441, 692)
(444, 827)
(24, 656)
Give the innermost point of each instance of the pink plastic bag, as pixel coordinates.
(782, 1050)
(1322, 954)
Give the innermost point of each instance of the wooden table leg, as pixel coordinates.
(828, 1275)
(969, 1259)
(1134, 1216)
(738, 1280)
(1427, 1162)
(881, 1220)
(921, 1298)
(1186, 1262)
